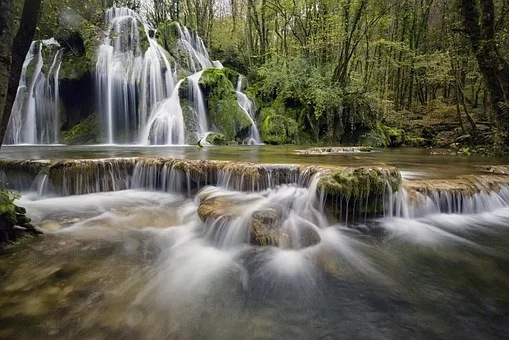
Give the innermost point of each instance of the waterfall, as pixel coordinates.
(139, 92)
(137, 84)
(196, 52)
(35, 116)
(119, 64)
(166, 123)
(196, 96)
(249, 109)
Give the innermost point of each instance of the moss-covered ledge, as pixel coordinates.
(350, 193)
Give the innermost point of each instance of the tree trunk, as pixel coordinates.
(5, 48)
(479, 21)
(20, 46)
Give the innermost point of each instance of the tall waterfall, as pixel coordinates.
(139, 92)
(249, 109)
(35, 116)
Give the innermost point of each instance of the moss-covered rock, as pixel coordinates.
(167, 34)
(12, 216)
(224, 112)
(81, 40)
(216, 139)
(85, 132)
(278, 129)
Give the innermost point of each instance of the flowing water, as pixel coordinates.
(140, 263)
(249, 109)
(35, 117)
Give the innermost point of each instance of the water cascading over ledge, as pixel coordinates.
(345, 193)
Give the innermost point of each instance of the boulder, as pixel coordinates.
(265, 227)
(214, 208)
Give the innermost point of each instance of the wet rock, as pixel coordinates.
(265, 228)
(50, 225)
(306, 236)
(214, 208)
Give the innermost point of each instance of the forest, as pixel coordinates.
(385, 73)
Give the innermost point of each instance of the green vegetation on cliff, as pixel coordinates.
(224, 112)
(85, 132)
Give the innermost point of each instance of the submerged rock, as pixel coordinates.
(334, 150)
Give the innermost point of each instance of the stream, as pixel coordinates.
(141, 264)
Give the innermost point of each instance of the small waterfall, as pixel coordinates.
(35, 115)
(196, 95)
(198, 56)
(249, 109)
(470, 195)
(166, 123)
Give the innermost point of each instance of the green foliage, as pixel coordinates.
(86, 132)
(216, 139)
(383, 136)
(278, 129)
(224, 112)
(167, 34)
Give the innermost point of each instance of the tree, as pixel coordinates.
(20, 46)
(5, 48)
(479, 21)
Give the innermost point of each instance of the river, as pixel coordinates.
(139, 264)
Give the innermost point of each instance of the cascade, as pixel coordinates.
(139, 92)
(251, 250)
(196, 95)
(249, 109)
(35, 116)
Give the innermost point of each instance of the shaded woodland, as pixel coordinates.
(378, 73)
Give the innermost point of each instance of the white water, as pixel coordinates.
(35, 116)
(138, 92)
(196, 95)
(249, 109)
(142, 263)
(166, 123)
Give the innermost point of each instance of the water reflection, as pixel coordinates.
(415, 163)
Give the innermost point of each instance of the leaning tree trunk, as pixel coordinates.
(20, 46)
(479, 21)
(5, 48)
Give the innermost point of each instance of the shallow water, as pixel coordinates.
(137, 264)
(412, 162)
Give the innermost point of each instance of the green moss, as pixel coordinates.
(416, 141)
(216, 139)
(278, 129)
(167, 34)
(86, 132)
(81, 42)
(224, 112)
(73, 66)
(360, 189)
